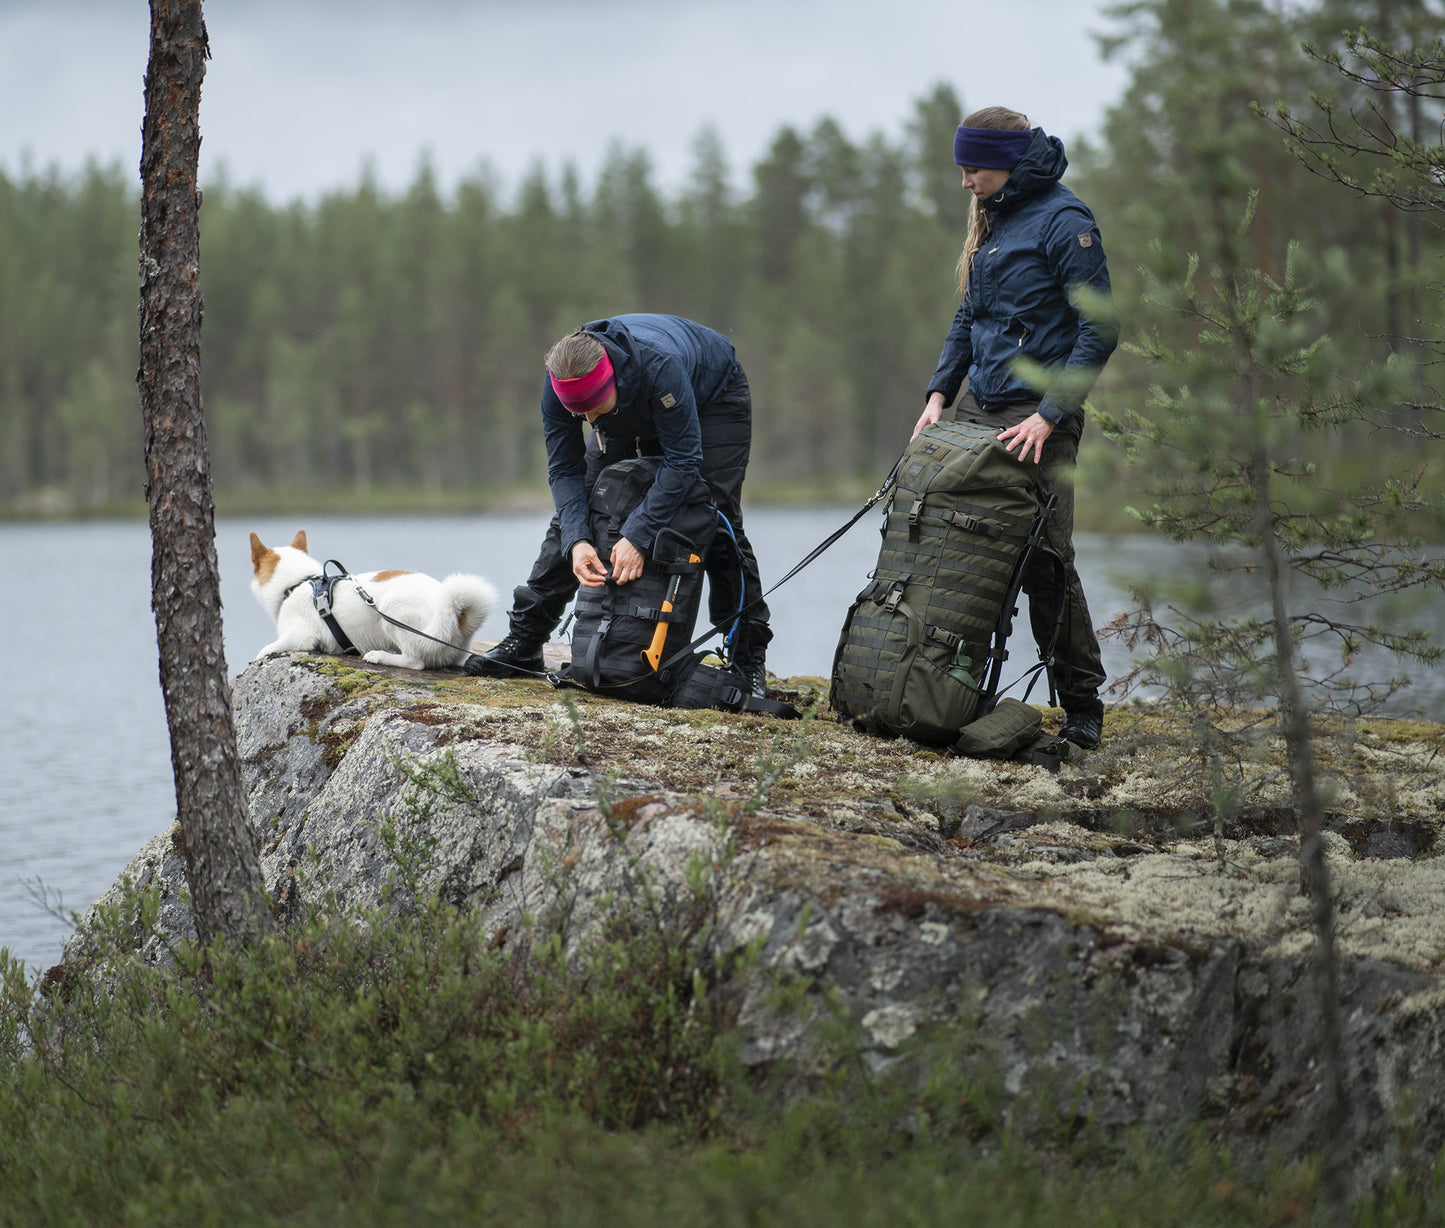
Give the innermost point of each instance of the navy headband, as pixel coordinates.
(998, 149)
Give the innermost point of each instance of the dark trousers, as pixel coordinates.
(727, 440)
(1078, 666)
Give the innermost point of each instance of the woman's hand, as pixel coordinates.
(627, 561)
(587, 565)
(1030, 433)
(932, 412)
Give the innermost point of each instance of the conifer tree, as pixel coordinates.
(1375, 132)
(222, 869)
(1221, 448)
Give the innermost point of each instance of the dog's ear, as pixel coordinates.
(299, 541)
(258, 551)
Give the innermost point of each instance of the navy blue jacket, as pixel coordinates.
(667, 368)
(1023, 302)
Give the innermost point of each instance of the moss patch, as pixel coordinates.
(1121, 839)
(355, 680)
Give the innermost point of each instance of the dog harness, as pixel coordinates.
(322, 587)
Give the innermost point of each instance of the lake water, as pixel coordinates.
(86, 755)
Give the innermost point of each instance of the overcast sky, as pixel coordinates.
(300, 95)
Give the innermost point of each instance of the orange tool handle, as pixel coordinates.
(652, 654)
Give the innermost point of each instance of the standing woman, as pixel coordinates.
(1034, 327)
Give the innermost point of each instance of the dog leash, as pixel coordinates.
(558, 681)
(322, 587)
(810, 557)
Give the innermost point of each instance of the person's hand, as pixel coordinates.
(932, 412)
(627, 561)
(587, 566)
(1030, 433)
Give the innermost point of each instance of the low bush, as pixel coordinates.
(396, 1067)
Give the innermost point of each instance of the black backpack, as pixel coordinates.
(923, 644)
(622, 633)
(634, 641)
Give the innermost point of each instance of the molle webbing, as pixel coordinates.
(923, 643)
(615, 624)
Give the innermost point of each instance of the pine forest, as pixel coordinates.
(374, 350)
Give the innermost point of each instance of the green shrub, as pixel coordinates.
(401, 1065)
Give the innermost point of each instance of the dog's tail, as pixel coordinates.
(469, 599)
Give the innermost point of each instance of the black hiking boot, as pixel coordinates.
(749, 663)
(511, 657)
(1084, 727)
(748, 652)
(756, 675)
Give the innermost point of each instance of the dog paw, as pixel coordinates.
(379, 656)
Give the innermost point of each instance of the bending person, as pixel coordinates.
(1034, 327)
(649, 385)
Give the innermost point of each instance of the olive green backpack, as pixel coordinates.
(923, 644)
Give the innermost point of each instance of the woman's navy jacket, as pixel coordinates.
(1038, 291)
(667, 367)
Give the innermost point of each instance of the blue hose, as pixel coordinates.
(742, 582)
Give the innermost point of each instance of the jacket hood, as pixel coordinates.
(1042, 166)
(621, 348)
(615, 338)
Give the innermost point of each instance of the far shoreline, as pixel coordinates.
(1101, 512)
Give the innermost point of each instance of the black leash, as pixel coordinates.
(558, 681)
(811, 556)
(322, 588)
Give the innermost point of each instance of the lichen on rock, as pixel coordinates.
(1081, 930)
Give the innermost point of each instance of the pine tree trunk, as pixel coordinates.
(1314, 868)
(222, 868)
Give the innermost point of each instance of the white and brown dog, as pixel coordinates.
(448, 611)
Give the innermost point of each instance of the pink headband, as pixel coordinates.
(586, 392)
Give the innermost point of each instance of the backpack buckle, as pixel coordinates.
(942, 635)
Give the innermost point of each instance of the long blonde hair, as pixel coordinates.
(989, 117)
